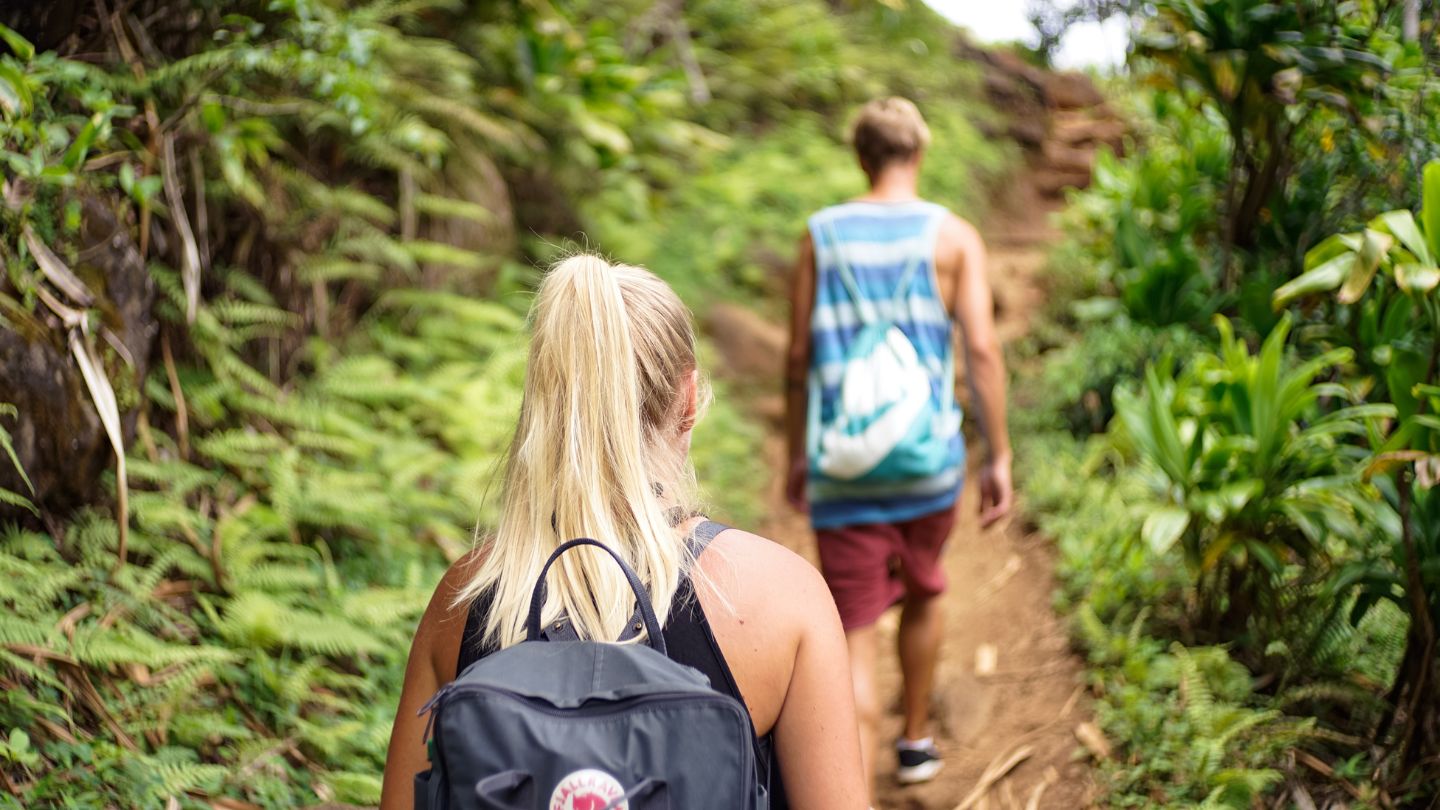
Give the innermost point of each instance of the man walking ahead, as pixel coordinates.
(871, 419)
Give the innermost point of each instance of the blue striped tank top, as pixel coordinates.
(878, 242)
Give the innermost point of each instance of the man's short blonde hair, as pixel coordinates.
(886, 131)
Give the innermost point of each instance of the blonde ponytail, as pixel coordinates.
(597, 452)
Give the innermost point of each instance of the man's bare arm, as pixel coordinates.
(974, 309)
(797, 367)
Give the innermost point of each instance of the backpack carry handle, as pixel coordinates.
(642, 595)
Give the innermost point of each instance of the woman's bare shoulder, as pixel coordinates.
(442, 628)
(758, 573)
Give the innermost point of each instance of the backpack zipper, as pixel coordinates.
(433, 705)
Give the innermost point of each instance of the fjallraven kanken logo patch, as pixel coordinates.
(588, 789)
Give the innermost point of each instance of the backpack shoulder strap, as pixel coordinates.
(702, 535)
(928, 237)
(863, 307)
(699, 540)
(763, 748)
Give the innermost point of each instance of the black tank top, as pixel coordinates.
(688, 639)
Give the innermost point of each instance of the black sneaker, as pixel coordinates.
(919, 762)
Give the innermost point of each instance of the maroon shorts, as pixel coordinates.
(871, 566)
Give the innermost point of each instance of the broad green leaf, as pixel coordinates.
(1430, 206)
(1165, 432)
(1426, 420)
(1265, 555)
(1376, 410)
(1386, 462)
(18, 44)
(1323, 278)
(1329, 248)
(16, 499)
(15, 96)
(1401, 225)
(7, 445)
(9, 99)
(1234, 497)
(80, 147)
(1163, 527)
(1367, 261)
(603, 133)
(1417, 278)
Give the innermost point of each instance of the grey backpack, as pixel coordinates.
(582, 725)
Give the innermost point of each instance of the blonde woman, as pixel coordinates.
(612, 391)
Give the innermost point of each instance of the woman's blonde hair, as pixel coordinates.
(599, 452)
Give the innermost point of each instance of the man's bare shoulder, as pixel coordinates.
(958, 232)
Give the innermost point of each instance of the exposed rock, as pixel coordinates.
(1030, 133)
(751, 347)
(1083, 129)
(58, 437)
(1060, 119)
(1067, 159)
(1013, 68)
(1071, 91)
(1053, 182)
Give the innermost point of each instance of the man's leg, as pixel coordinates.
(921, 628)
(922, 623)
(855, 563)
(863, 643)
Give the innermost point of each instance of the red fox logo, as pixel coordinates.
(588, 789)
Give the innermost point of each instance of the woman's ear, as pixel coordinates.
(690, 401)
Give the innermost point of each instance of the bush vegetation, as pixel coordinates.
(1249, 409)
(325, 197)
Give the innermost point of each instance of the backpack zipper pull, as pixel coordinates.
(429, 707)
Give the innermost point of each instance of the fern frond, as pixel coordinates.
(241, 448)
(124, 644)
(179, 478)
(14, 630)
(328, 268)
(438, 205)
(355, 786)
(1195, 694)
(247, 313)
(169, 776)
(196, 66)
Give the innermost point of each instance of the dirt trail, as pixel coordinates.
(1000, 589)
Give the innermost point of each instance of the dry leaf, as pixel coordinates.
(994, 772)
(55, 270)
(987, 656)
(1012, 566)
(1051, 777)
(1007, 796)
(103, 395)
(190, 252)
(1093, 739)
